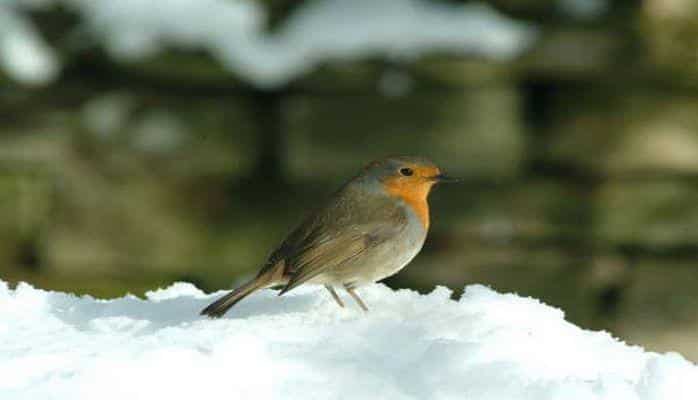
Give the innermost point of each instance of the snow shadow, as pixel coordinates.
(153, 313)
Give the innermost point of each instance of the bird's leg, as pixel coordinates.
(334, 295)
(356, 297)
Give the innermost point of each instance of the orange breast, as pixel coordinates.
(413, 194)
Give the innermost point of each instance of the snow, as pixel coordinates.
(235, 32)
(409, 346)
(23, 55)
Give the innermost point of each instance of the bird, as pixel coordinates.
(371, 228)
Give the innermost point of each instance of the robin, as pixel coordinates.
(369, 230)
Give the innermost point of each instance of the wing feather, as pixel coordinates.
(353, 222)
(331, 253)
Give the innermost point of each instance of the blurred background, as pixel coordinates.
(146, 142)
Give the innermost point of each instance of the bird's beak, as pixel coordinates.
(443, 178)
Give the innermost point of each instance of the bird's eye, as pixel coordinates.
(406, 171)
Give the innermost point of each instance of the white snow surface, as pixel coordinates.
(487, 345)
(234, 32)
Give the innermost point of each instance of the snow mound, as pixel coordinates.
(410, 346)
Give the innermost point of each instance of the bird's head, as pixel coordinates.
(409, 179)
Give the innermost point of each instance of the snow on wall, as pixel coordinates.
(233, 31)
(485, 346)
(23, 55)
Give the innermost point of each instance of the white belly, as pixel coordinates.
(393, 255)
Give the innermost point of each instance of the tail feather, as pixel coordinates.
(222, 305)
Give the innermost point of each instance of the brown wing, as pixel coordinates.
(329, 253)
(351, 223)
